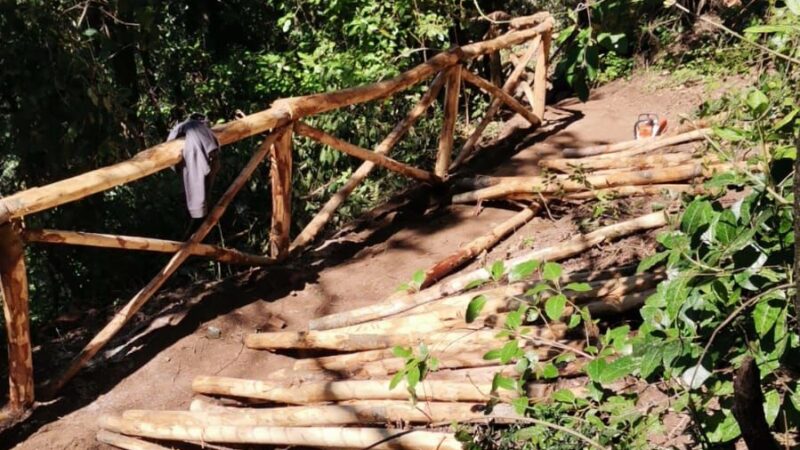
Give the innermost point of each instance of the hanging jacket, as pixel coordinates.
(199, 152)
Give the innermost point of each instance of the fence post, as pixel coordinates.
(281, 179)
(14, 282)
(540, 76)
(453, 85)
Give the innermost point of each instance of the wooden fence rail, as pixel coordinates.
(280, 123)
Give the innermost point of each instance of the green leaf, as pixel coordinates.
(764, 316)
(757, 101)
(620, 367)
(549, 371)
(402, 352)
(413, 377)
(787, 119)
(497, 270)
(595, 369)
(475, 283)
(697, 214)
(89, 32)
(554, 307)
(509, 351)
(514, 320)
(563, 396)
(520, 405)
(722, 427)
(772, 406)
(474, 308)
(729, 134)
(551, 271)
(760, 29)
(396, 379)
(418, 278)
(501, 382)
(578, 287)
(725, 230)
(523, 270)
(651, 261)
(433, 364)
(492, 354)
(574, 321)
(534, 291)
(651, 360)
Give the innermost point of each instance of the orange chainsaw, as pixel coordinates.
(649, 125)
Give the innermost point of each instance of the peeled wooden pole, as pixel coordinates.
(635, 191)
(367, 155)
(138, 300)
(337, 391)
(509, 86)
(337, 437)
(352, 413)
(641, 162)
(403, 302)
(528, 91)
(447, 135)
(540, 75)
(126, 442)
(500, 94)
(282, 112)
(14, 287)
(534, 185)
(649, 146)
(221, 254)
(280, 169)
(625, 145)
(383, 148)
(343, 341)
(474, 248)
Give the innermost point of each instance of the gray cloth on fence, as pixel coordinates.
(199, 152)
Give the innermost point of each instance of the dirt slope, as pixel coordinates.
(157, 372)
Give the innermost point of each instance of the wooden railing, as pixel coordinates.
(280, 123)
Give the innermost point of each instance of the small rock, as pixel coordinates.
(213, 333)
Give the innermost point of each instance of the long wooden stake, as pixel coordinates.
(336, 391)
(474, 248)
(625, 145)
(540, 76)
(453, 87)
(138, 300)
(281, 180)
(650, 146)
(641, 162)
(362, 153)
(509, 86)
(14, 284)
(126, 442)
(404, 302)
(337, 437)
(383, 148)
(359, 412)
(504, 97)
(535, 185)
(221, 254)
(348, 339)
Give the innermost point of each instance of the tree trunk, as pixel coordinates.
(748, 407)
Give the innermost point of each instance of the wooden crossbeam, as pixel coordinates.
(383, 148)
(141, 243)
(138, 300)
(502, 95)
(509, 86)
(362, 153)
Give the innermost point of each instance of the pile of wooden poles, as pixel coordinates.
(345, 400)
(626, 169)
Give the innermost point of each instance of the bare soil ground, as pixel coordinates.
(155, 365)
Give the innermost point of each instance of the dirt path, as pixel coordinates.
(157, 370)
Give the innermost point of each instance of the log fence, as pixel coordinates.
(279, 124)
